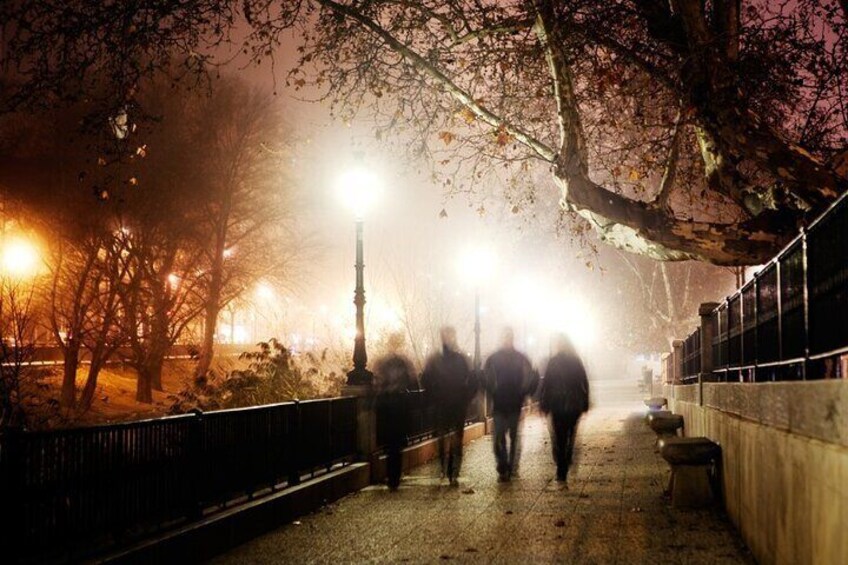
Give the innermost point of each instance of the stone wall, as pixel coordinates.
(784, 462)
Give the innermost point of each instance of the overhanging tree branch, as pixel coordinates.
(667, 182)
(442, 80)
(629, 224)
(712, 89)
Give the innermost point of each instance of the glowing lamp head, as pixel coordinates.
(572, 317)
(264, 291)
(477, 264)
(19, 259)
(358, 189)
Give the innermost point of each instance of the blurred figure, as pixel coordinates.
(394, 377)
(449, 386)
(648, 379)
(565, 396)
(509, 379)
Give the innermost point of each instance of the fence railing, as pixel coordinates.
(90, 487)
(418, 415)
(692, 356)
(419, 418)
(47, 355)
(791, 320)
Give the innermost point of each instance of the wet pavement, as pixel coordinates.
(613, 510)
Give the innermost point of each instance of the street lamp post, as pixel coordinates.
(477, 264)
(360, 375)
(358, 188)
(477, 360)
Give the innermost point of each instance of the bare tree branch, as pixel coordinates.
(667, 182)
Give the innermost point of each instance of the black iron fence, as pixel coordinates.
(419, 418)
(791, 321)
(692, 356)
(92, 487)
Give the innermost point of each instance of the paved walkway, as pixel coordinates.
(612, 511)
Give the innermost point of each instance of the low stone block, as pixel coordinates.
(665, 424)
(651, 413)
(689, 450)
(690, 459)
(690, 487)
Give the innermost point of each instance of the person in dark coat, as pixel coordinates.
(509, 380)
(449, 387)
(565, 397)
(394, 377)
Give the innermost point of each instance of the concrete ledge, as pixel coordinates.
(686, 393)
(205, 538)
(784, 464)
(816, 409)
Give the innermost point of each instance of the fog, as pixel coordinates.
(416, 239)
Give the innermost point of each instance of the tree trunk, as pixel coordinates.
(207, 347)
(155, 362)
(158, 349)
(212, 310)
(711, 89)
(156, 374)
(87, 396)
(632, 225)
(156, 377)
(69, 374)
(144, 385)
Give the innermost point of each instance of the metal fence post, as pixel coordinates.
(676, 361)
(12, 474)
(294, 450)
(705, 311)
(197, 479)
(329, 462)
(806, 290)
(366, 419)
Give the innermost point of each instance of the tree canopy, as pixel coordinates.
(675, 129)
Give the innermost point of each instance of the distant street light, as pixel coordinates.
(19, 258)
(358, 190)
(476, 265)
(571, 315)
(264, 292)
(526, 298)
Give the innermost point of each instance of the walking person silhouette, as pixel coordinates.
(565, 397)
(449, 386)
(509, 379)
(394, 378)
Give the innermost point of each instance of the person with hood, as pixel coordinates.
(449, 387)
(565, 397)
(394, 377)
